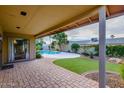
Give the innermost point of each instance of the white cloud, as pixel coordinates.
(114, 26)
(86, 32)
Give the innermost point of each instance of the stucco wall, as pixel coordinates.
(5, 50)
(32, 48)
(1, 30)
(31, 38)
(1, 45)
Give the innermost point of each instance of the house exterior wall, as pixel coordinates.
(32, 48)
(1, 53)
(31, 38)
(1, 30)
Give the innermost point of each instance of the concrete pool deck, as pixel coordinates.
(42, 73)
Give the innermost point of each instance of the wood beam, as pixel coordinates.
(77, 25)
(89, 19)
(107, 11)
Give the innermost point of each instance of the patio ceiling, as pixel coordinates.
(38, 18)
(90, 18)
(46, 20)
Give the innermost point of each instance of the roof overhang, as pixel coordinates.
(90, 17)
(46, 20)
(69, 23)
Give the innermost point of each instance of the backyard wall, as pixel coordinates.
(7, 35)
(83, 48)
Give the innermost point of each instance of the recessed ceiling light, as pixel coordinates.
(18, 27)
(23, 13)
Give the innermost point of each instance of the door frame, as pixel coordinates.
(11, 54)
(1, 57)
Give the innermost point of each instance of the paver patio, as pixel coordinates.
(42, 73)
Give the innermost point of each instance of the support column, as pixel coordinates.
(102, 47)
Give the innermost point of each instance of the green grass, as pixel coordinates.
(82, 64)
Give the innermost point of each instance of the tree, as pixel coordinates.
(112, 36)
(75, 47)
(50, 46)
(61, 39)
(39, 42)
(53, 45)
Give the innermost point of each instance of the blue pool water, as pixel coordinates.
(49, 52)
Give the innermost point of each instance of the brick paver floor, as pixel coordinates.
(42, 73)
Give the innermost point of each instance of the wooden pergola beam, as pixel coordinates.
(89, 19)
(77, 25)
(107, 11)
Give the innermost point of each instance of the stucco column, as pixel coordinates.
(102, 47)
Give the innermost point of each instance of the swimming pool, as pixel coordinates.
(49, 52)
(57, 54)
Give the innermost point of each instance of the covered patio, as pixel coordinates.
(42, 73)
(21, 25)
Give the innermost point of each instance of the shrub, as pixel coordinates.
(38, 55)
(39, 43)
(97, 50)
(75, 47)
(112, 50)
(91, 55)
(57, 50)
(122, 71)
(38, 46)
(85, 54)
(89, 51)
(116, 51)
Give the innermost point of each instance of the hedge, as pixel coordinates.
(112, 50)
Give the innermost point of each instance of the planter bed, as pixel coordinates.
(114, 80)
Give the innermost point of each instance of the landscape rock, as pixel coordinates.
(115, 60)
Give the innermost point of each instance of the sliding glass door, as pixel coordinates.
(18, 49)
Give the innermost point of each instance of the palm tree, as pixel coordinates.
(61, 39)
(50, 42)
(53, 45)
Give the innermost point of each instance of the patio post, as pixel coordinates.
(102, 47)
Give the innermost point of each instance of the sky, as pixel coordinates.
(114, 26)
